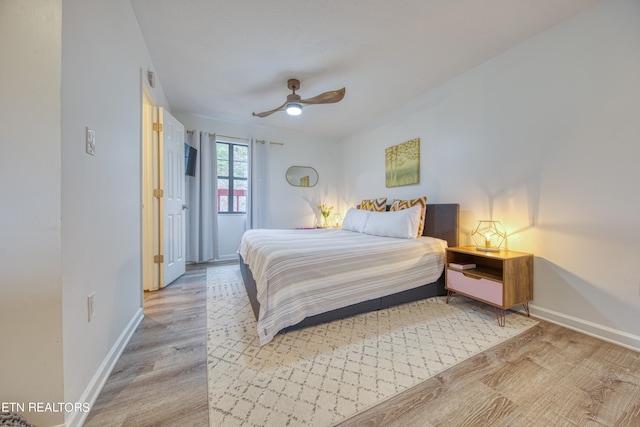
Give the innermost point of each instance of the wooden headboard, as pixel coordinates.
(441, 221)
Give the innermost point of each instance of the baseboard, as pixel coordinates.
(595, 330)
(90, 395)
(228, 257)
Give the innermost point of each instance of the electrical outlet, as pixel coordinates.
(91, 142)
(91, 306)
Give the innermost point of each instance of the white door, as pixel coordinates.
(173, 196)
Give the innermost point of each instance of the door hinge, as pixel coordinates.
(158, 193)
(157, 127)
(158, 259)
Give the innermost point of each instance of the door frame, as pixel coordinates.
(151, 170)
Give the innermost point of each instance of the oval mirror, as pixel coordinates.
(302, 176)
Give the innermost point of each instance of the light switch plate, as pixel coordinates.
(91, 142)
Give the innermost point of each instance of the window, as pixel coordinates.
(233, 174)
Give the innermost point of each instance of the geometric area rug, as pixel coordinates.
(319, 376)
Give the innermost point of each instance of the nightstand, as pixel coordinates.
(502, 279)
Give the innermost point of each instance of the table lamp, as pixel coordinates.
(488, 235)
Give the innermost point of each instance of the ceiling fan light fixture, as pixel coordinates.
(294, 109)
(293, 104)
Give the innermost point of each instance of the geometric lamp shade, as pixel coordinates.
(488, 235)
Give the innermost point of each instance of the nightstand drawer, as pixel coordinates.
(477, 287)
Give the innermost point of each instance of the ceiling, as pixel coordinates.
(225, 59)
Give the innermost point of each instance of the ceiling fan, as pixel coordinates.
(294, 103)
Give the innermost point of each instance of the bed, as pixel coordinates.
(296, 278)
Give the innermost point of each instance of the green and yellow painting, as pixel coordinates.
(402, 163)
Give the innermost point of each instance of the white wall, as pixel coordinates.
(103, 56)
(543, 137)
(30, 165)
(230, 230)
(289, 206)
(71, 222)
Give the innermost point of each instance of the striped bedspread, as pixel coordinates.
(301, 273)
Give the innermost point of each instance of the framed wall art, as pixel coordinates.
(402, 163)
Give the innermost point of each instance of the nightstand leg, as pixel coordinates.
(500, 315)
(526, 308)
(449, 295)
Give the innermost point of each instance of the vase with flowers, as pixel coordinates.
(325, 211)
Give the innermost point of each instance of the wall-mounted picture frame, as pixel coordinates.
(402, 163)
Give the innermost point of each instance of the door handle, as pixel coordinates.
(185, 207)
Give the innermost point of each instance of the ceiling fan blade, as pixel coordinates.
(267, 113)
(326, 98)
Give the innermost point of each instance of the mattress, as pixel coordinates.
(301, 273)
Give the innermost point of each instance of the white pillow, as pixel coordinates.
(355, 220)
(403, 223)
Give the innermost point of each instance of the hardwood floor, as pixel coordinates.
(161, 377)
(547, 376)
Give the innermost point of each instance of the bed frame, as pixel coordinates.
(441, 220)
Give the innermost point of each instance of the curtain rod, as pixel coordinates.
(224, 136)
(262, 141)
(259, 141)
(232, 137)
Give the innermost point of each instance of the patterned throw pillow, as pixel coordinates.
(404, 204)
(376, 205)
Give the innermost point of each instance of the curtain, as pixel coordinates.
(258, 208)
(202, 220)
